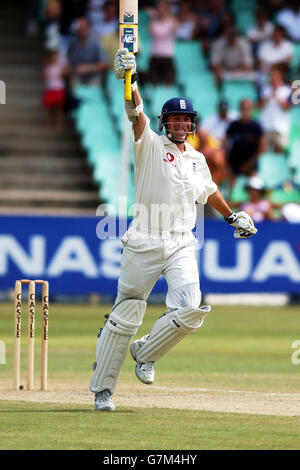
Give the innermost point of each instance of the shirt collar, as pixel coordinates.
(168, 142)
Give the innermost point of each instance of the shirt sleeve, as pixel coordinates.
(143, 146)
(207, 185)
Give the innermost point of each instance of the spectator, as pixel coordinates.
(86, 58)
(277, 50)
(214, 153)
(258, 206)
(52, 27)
(163, 30)
(54, 91)
(188, 22)
(217, 125)
(110, 30)
(71, 11)
(275, 106)
(211, 136)
(244, 142)
(231, 57)
(95, 15)
(228, 20)
(261, 31)
(289, 18)
(210, 18)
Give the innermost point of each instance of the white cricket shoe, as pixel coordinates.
(103, 401)
(143, 371)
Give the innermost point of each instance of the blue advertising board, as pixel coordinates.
(67, 252)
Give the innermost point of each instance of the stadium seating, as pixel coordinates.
(101, 137)
(244, 11)
(97, 135)
(273, 169)
(239, 193)
(235, 91)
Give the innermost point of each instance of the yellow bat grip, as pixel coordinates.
(127, 86)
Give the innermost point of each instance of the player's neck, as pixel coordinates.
(181, 147)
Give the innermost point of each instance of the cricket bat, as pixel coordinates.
(128, 36)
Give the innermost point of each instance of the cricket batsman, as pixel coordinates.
(170, 177)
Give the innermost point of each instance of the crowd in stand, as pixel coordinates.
(81, 37)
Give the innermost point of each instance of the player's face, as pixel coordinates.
(179, 125)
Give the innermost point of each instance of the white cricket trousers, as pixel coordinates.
(144, 260)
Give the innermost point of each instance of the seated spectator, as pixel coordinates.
(261, 31)
(209, 140)
(258, 206)
(163, 30)
(231, 57)
(213, 151)
(289, 18)
(210, 17)
(277, 50)
(213, 17)
(95, 15)
(275, 104)
(228, 20)
(109, 37)
(187, 22)
(217, 125)
(54, 90)
(71, 11)
(244, 143)
(86, 58)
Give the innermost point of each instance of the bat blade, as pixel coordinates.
(128, 35)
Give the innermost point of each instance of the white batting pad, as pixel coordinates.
(169, 329)
(113, 342)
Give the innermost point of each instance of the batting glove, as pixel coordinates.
(124, 61)
(244, 225)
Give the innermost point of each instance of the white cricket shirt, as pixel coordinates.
(167, 184)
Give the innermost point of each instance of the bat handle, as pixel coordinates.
(127, 86)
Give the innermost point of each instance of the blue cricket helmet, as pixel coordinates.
(177, 105)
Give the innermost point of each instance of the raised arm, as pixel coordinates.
(134, 108)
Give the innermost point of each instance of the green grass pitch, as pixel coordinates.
(231, 385)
